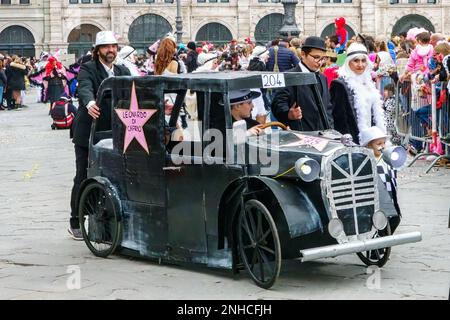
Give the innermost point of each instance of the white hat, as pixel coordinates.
(259, 50)
(205, 57)
(170, 36)
(355, 50)
(125, 52)
(105, 37)
(371, 134)
(44, 54)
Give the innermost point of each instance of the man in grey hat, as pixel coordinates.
(299, 109)
(91, 75)
(241, 109)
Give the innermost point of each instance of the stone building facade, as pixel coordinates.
(29, 26)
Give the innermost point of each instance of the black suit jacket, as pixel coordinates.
(285, 98)
(344, 112)
(90, 77)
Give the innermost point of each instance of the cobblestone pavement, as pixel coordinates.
(37, 257)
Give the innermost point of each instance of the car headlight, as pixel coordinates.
(395, 156)
(335, 228)
(307, 169)
(379, 220)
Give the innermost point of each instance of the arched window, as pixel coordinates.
(268, 28)
(81, 39)
(331, 30)
(410, 21)
(215, 33)
(17, 40)
(146, 29)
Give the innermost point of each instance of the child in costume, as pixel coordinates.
(341, 33)
(390, 114)
(422, 53)
(374, 138)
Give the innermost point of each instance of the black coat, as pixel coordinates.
(55, 87)
(15, 75)
(191, 61)
(91, 75)
(443, 76)
(3, 79)
(285, 98)
(256, 64)
(344, 112)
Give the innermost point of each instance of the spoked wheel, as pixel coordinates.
(259, 244)
(99, 220)
(377, 257)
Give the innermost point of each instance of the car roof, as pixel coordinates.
(215, 81)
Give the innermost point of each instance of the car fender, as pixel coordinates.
(109, 187)
(300, 213)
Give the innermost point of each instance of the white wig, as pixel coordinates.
(366, 97)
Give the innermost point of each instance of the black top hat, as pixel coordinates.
(239, 96)
(314, 43)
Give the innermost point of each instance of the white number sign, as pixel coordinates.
(273, 80)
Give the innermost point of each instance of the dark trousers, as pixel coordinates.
(9, 100)
(81, 160)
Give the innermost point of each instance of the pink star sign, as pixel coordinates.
(134, 120)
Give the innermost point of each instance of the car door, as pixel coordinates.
(138, 126)
(185, 193)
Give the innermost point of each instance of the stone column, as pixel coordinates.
(54, 21)
(368, 17)
(445, 16)
(46, 33)
(309, 20)
(243, 19)
(186, 12)
(116, 15)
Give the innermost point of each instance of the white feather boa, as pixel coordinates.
(445, 63)
(366, 97)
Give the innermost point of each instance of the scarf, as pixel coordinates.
(445, 63)
(366, 97)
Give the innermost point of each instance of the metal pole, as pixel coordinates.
(179, 23)
(289, 27)
(433, 114)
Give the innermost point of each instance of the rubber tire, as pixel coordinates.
(381, 262)
(276, 243)
(117, 230)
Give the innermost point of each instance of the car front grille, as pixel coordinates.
(351, 190)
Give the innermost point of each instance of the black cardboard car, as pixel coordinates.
(178, 201)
